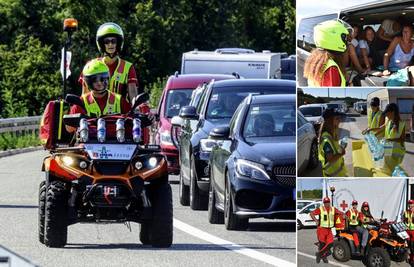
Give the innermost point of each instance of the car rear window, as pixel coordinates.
(305, 30)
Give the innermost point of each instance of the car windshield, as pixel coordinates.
(300, 205)
(224, 101)
(311, 111)
(270, 120)
(176, 99)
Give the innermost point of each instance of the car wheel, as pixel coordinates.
(56, 215)
(231, 220)
(184, 191)
(42, 205)
(215, 216)
(313, 156)
(198, 201)
(299, 224)
(144, 233)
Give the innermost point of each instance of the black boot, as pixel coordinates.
(318, 257)
(325, 260)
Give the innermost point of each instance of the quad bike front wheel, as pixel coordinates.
(56, 215)
(159, 232)
(341, 250)
(378, 257)
(41, 210)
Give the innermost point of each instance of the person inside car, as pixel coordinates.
(263, 125)
(389, 29)
(227, 105)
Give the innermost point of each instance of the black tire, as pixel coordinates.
(198, 200)
(313, 157)
(41, 209)
(299, 224)
(378, 257)
(56, 215)
(144, 234)
(184, 191)
(231, 220)
(215, 216)
(341, 250)
(161, 227)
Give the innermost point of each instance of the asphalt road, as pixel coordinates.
(352, 127)
(307, 249)
(196, 242)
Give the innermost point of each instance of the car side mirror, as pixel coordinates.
(139, 99)
(177, 121)
(220, 133)
(188, 112)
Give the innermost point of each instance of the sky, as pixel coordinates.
(307, 8)
(356, 92)
(309, 184)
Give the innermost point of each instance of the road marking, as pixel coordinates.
(231, 246)
(330, 262)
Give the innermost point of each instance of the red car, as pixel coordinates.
(176, 94)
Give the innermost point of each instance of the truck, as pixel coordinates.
(247, 63)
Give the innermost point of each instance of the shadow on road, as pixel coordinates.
(174, 247)
(272, 227)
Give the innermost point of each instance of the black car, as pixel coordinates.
(216, 107)
(253, 165)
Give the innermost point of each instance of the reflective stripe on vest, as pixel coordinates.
(330, 169)
(326, 220)
(409, 217)
(354, 217)
(120, 75)
(330, 63)
(113, 104)
(394, 149)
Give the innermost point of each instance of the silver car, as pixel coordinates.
(307, 148)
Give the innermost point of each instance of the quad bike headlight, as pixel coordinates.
(138, 165)
(83, 164)
(152, 162)
(68, 161)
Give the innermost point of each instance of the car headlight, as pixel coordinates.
(207, 145)
(251, 169)
(165, 138)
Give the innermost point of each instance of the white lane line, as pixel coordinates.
(330, 262)
(231, 246)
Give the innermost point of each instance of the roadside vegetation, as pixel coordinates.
(12, 141)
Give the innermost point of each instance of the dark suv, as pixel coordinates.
(253, 164)
(216, 107)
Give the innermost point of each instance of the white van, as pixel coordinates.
(370, 14)
(245, 62)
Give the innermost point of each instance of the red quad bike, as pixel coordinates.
(387, 241)
(113, 180)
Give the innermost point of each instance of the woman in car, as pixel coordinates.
(351, 54)
(387, 31)
(330, 152)
(399, 52)
(366, 50)
(324, 66)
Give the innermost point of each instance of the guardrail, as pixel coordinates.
(20, 125)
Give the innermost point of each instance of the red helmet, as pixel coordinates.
(326, 200)
(354, 202)
(411, 201)
(365, 204)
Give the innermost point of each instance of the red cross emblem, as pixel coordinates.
(343, 205)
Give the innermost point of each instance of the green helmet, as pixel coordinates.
(109, 29)
(331, 35)
(93, 70)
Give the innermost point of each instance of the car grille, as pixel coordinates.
(285, 175)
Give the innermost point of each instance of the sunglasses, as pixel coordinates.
(99, 78)
(110, 41)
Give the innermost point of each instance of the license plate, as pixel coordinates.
(110, 151)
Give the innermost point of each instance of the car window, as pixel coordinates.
(300, 205)
(202, 98)
(176, 99)
(235, 119)
(310, 208)
(301, 120)
(305, 31)
(270, 120)
(311, 111)
(195, 97)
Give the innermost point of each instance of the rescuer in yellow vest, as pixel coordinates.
(394, 135)
(376, 119)
(330, 153)
(409, 221)
(325, 223)
(354, 225)
(324, 65)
